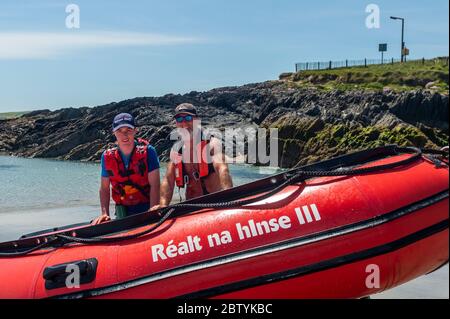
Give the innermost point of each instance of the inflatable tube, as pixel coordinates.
(346, 236)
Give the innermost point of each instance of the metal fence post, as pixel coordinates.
(318, 65)
(346, 63)
(330, 65)
(365, 62)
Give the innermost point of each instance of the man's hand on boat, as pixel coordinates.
(101, 219)
(156, 207)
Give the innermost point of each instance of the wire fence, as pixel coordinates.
(305, 66)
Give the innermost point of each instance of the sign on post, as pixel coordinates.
(382, 47)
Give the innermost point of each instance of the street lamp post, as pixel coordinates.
(403, 32)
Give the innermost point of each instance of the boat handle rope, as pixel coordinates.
(290, 177)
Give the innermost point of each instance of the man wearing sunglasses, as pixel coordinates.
(132, 171)
(197, 163)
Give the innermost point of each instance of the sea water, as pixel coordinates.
(39, 193)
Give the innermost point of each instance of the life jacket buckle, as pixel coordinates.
(196, 176)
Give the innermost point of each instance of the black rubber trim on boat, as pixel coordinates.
(316, 237)
(445, 263)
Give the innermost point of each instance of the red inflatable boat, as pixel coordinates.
(348, 227)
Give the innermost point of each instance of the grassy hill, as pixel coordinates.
(432, 75)
(11, 115)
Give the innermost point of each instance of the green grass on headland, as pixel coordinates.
(11, 115)
(432, 75)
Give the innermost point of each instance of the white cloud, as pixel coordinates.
(44, 45)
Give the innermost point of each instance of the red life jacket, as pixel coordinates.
(205, 168)
(129, 186)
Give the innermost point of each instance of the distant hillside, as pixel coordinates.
(11, 115)
(432, 75)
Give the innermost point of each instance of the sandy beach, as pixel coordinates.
(432, 286)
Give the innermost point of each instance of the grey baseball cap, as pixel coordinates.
(185, 108)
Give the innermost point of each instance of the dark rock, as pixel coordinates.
(312, 124)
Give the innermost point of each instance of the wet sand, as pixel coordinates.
(15, 224)
(432, 286)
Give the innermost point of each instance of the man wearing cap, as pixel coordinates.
(132, 171)
(196, 162)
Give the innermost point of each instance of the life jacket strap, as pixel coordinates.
(204, 189)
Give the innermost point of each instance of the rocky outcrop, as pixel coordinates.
(312, 124)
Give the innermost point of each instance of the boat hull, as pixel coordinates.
(330, 237)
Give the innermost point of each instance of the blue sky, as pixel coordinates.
(125, 49)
